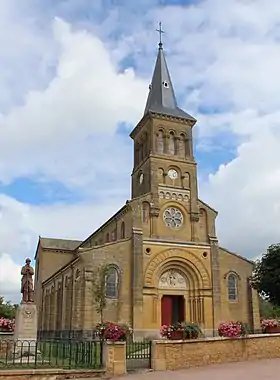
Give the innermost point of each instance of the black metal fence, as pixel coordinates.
(66, 354)
(138, 355)
(67, 334)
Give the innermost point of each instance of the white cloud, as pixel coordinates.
(83, 103)
(21, 225)
(9, 278)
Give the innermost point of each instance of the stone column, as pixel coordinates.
(137, 279)
(216, 282)
(87, 291)
(194, 226)
(114, 358)
(159, 356)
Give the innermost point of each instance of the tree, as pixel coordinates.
(266, 276)
(7, 309)
(268, 310)
(99, 288)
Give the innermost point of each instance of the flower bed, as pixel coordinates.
(232, 329)
(184, 330)
(113, 331)
(7, 325)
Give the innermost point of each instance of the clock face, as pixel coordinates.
(141, 178)
(172, 174)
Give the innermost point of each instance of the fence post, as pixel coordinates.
(158, 355)
(114, 358)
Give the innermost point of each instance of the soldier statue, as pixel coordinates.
(27, 289)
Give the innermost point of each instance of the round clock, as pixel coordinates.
(172, 174)
(141, 178)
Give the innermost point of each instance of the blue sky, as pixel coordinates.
(74, 78)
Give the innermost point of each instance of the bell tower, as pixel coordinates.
(164, 165)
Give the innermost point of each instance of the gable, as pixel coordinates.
(225, 251)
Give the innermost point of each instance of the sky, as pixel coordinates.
(74, 77)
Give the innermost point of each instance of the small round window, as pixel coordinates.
(173, 217)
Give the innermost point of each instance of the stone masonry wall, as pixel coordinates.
(171, 355)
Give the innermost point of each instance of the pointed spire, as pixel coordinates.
(161, 98)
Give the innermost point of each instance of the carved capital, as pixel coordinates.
(154, 211)
(194, 217)
(88, 276)
(213, 240)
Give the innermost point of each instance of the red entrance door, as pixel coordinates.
(166, 310)
(172, 309)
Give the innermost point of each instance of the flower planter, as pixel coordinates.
(272, 330)
(176, 335)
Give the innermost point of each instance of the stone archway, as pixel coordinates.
(173, 286)
(186, 261)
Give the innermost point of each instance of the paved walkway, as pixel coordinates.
(255, 370)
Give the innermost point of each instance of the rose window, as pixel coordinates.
(173, 217)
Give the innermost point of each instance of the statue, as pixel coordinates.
(27, 289)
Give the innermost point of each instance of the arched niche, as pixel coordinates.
(172, 279)
(203, 225)
(171, 143)
(182, 145)
(186, 180)
(160, 175)
(160, 142)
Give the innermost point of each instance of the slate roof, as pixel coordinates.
(161, 98)
(63, 244)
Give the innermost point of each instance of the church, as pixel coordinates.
(166, 264)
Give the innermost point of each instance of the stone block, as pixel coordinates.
(25, 335)
(114, 358)
(172, 355)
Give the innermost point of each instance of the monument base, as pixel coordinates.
(25, 335)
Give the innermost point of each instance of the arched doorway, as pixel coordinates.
(172, 309)
(173, 286)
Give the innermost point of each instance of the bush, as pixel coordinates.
(189, 330)
(7, 325)
(232, 329)
(269, 323)
(113, 331)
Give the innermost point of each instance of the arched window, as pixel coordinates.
(188, 143)
(111, 282)
(232, 287)
(182, 145)
(160, 142)
(171, 147)
(122, 230)
(145, 212)
(114, 234)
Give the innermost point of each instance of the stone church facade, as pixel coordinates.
(167, 265)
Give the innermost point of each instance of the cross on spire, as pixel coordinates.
(160, 31)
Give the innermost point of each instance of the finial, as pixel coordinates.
(160, 31)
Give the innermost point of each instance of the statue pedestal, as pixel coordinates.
(25, 335)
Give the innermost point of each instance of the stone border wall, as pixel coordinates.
(6, 335)
(166, 355)
(171, 355)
